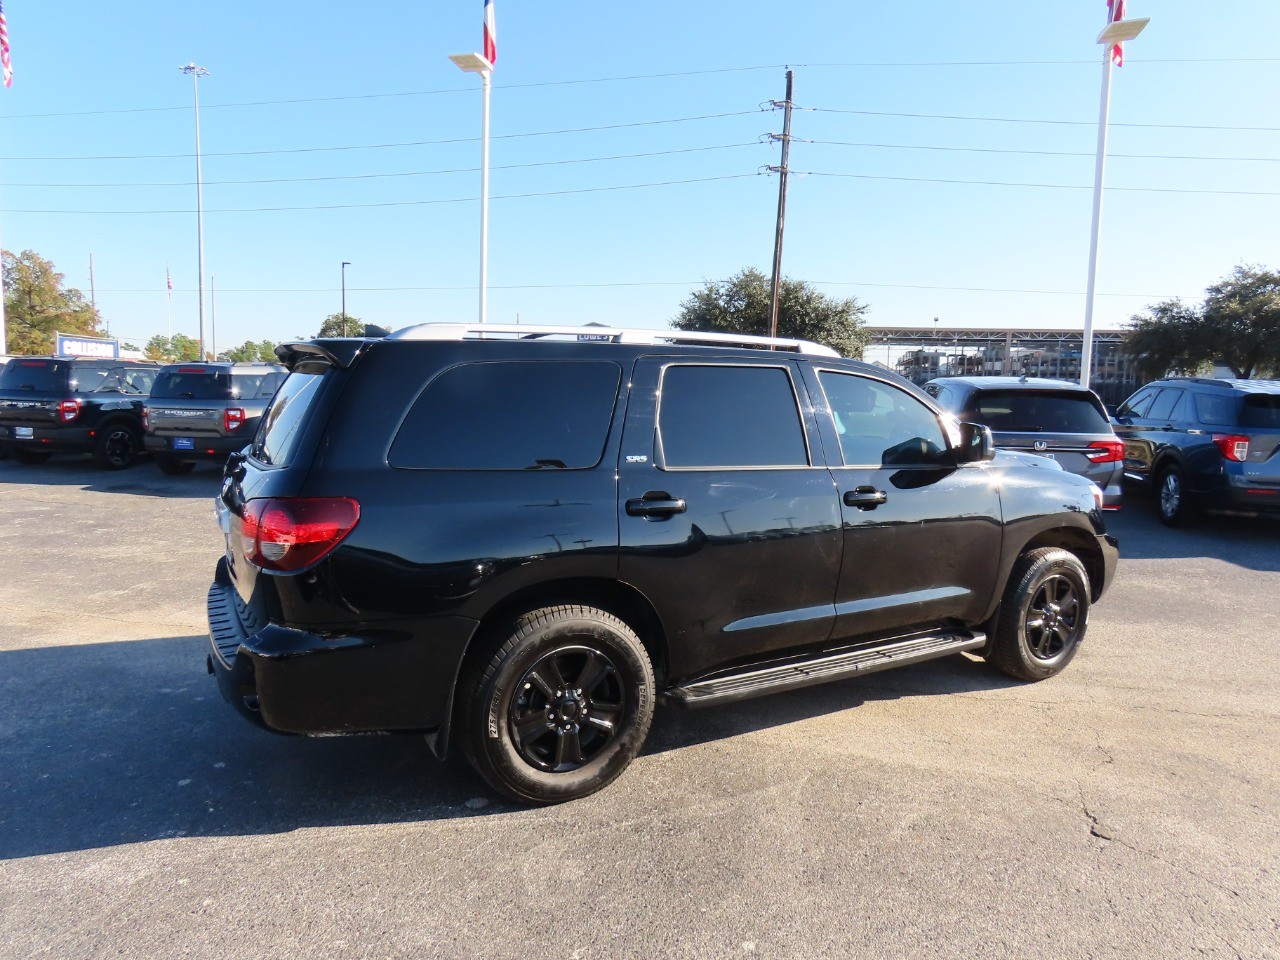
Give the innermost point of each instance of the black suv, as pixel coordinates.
(204, 411)
(518, 541)
(1202, 443)
(54, 404)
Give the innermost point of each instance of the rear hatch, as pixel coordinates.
(30, 391)
(1069, 426)
(190, 403)
(1260, 422)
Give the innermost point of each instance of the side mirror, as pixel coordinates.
(975, 444)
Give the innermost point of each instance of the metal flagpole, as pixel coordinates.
(1104, 110)
(196, 73)
(484, 195)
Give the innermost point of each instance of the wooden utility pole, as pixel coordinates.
(782, 205)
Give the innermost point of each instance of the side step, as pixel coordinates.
(754, 682)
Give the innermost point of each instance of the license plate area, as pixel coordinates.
(23, 433)
(184, 443)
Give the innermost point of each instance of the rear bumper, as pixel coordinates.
(395, 677)
(203, 448)
(48, 438)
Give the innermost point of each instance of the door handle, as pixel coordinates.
(865, 498)
(656, 505)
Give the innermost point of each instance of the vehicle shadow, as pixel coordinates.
(1249, 542)
(115, 743)
(142, 479)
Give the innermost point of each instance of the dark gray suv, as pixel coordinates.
(1057, 419)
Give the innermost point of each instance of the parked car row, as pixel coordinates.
(118, 409)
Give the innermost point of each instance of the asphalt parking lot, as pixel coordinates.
(1128, 808)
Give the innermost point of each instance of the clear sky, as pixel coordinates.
(627, 156)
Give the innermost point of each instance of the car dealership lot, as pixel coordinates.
(1126, 808)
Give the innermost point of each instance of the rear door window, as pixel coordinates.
(729, 416)
(510, 415)
(281, 428)
(1035, 411)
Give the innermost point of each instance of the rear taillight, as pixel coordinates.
(1233, 447)
(1105, 451)
(233, 419)
(289, 533)
(146, 418)
(68, 410)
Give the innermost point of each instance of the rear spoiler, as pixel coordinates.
(338, 353)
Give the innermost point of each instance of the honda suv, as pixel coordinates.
(517, 541)
(51, 404)
(204, 411)
(1202, 443)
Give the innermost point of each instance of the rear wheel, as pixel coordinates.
(23, 455)
(560, 707)
(117, 447)
(173, 466)
(1171, 497)
(1043, 615)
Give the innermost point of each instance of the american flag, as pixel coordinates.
(1116, 8)
(4, 49)
(491, 33)
(168, 282)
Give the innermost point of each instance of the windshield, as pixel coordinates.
(1036, 411)
(38, 376)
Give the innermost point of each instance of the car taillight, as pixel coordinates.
(146, 418)
(233, 419)
(1233, 447)
(289, 533)
(1105, 451)
(68, 410)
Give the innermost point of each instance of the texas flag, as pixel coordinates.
(491, 33)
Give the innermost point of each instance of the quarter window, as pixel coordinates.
(730, 416)
(880, 425)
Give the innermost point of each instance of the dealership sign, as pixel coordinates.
(75, 346)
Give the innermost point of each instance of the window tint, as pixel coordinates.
(1162, 409)
(270, 384)
(245, 386)
(281, 426)
(727, 416)
(38, 376)
(137, 381)
(511, 415)
(1136, 406)
(191, 383)
(1260, 410)
(881, 425)
(1216, 408)
(1037, 411)
(94, 378)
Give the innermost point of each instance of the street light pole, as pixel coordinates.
(475, 63)
(1114, 33)
(345, 264)
(195, 73)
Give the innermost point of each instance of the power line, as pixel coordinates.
(407, 203)
(1067, 123)
(1047, 186)
(1039, 153)
(412, 173)
(408, 143)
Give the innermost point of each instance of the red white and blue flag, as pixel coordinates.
(4, 49)
(167, 281)
(1116, 8)
(491, 33)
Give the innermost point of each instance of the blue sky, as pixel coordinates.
(346, 111)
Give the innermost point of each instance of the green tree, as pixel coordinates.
(741, 305)
(173, 349)
(1238, 325)
(37, 305)
(250, 352)
(333, 326)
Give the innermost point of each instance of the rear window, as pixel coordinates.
(175, 383)
(511, 415)
(281, 427)
(38, 376)
(1219, 408)
(1034, 411)
(1261, 410)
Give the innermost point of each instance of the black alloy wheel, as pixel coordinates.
(1043, 616)
(557, 704)
(118, 447)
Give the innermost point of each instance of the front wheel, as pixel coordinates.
(117, 447)
(560, 708)
(1043, 616)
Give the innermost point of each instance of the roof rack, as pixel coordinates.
(588, 334)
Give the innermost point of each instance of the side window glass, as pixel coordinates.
(1162, 409)
(1215, 408)
(137, 380)
(1136, 406)
(727, 416)
(881, 425)
(92, 378)
(270, 384)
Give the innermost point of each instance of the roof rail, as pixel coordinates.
(522, 331)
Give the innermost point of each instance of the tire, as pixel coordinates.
(1172, 502)
(23, 455)
(538, 739)
(1043, 616)
(117, 446)
(174, 467)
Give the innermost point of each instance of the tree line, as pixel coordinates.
(1237, 324)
